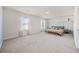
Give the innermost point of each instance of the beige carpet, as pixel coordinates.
(40, 43)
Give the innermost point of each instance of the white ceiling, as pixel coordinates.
(45, 11)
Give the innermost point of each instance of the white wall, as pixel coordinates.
(1, 40)
(76, 26)
(35, 24)
(12, 23)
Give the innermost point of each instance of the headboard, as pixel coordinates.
(58, 27)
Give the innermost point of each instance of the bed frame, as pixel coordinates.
(56, 30)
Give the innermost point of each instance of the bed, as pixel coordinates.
(56, 30)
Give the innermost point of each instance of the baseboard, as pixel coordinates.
(16, 36)
(11, 37)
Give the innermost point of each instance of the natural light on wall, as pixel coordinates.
(42, 25)
(24, 23)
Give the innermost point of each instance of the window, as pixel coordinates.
(24, 23)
